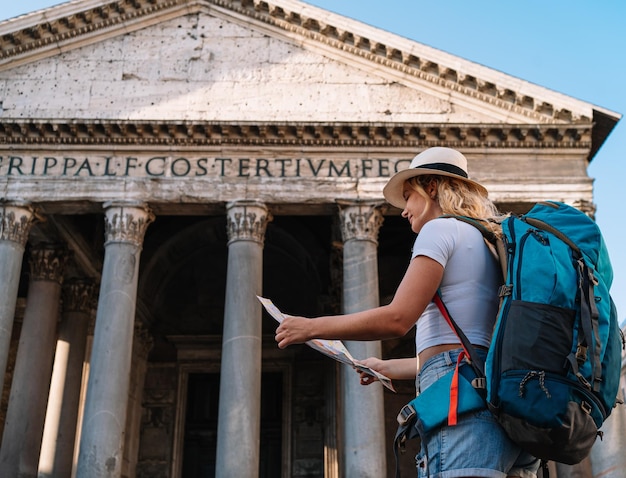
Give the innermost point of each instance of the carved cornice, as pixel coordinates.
(47, 262)
(247, 221)
(126, 223)
(118, 14)
(76, 132)
(16, 221)
(360, 221)
(77, 24)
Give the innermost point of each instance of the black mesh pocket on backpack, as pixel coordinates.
(537, 337)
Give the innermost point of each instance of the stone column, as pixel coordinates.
(57, 451)
(26, 412)
(142, 345)
(104, 419)
(239, 416)
(363, 407)
(16, 220)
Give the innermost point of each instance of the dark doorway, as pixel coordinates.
(200, 442)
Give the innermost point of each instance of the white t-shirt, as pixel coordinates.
(469, 287)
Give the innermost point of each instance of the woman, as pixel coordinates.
(450, 256)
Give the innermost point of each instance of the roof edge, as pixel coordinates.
(605, 122)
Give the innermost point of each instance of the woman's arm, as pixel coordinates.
(418, 286)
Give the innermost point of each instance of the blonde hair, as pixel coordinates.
(459, 198)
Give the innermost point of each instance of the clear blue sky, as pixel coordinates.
(576, 47)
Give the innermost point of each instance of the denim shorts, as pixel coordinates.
(477, 446)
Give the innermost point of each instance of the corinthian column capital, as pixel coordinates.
(79, 295)
(47, 262)
(360, 220)
(16, 219)
(126, 222)
(247, 221)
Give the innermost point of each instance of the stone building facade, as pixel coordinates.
(162, 162)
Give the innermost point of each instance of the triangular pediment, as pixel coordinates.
(201, 67)
(242, 60)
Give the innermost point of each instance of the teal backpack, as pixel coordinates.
(552, 372)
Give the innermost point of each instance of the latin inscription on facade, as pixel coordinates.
(181, 166)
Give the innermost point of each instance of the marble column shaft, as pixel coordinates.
(57, 451)
(26, 412)
(239, 416)
(102, 434)
(363, 406)
(142, 344)
(15, 223)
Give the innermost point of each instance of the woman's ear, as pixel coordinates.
(431, 189)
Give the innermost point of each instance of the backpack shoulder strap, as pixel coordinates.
(494, 242)
(487, 233)
(475, 361)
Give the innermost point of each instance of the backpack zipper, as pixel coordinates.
(504, 312)
(518, 287)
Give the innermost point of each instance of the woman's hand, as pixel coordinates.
(293, 330)
(396, 369)
(373, 363)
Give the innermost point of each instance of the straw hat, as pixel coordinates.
(436, 161)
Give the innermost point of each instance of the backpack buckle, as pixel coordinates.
(406, 414)
(479, 383)
(585, 407)
(505, 290)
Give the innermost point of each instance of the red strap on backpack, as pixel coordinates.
(454, 393)
(446, 315)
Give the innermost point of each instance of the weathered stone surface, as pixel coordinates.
(202, 67)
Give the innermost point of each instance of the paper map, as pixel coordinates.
(332, 348)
